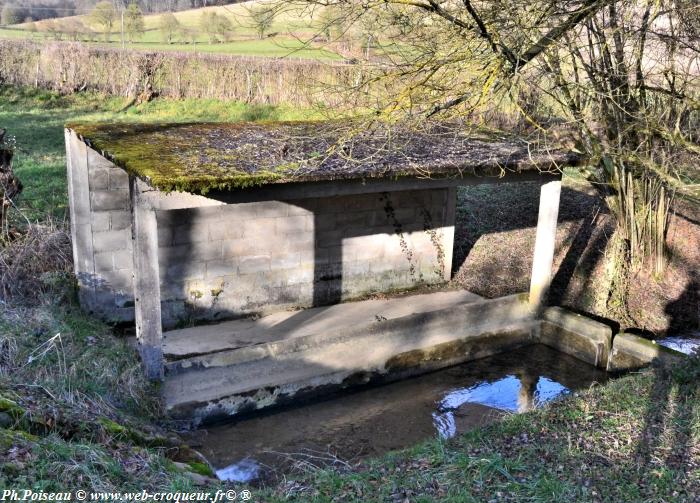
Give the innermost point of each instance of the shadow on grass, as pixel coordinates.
(503, 262)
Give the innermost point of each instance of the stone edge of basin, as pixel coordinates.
(631, 352)
(576, 335)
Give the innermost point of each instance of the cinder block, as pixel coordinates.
(98, 178)
(362, 202)
(218, 268)
(243, 247)
(172, 290)
(165, 236)
(192, 233)
(238, 212)
(271, 209)
(325, 222)
(302, 207)
(253, 264)
(189, 217)
(406, 216)
(106, 200)
(186, 270)
(259, 227)
(301, 242)
(118, 179)
(123, 259)
(285, 261)
(120, 220)
(301, 275)
(226, 230)
(294, 225)
(118, 280)
(356, 268)
(354, 219)
(274, 279)
(100, 221)
(195, 252)
(104, 262)
(438, 197)
(111, 240)
(330, 237)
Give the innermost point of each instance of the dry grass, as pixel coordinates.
(36, 263)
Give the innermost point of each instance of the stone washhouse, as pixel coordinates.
(243, 251)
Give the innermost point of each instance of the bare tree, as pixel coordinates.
(169, 27)
(133, 22)
(104, 15)
(618, 78)
(262, 16)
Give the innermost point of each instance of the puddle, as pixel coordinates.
(371, 421)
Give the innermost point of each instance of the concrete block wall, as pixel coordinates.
(220, 261)
(101, 227)
(223, 261)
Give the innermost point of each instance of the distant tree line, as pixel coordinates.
(21, 11)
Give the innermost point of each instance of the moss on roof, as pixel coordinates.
(199, 157)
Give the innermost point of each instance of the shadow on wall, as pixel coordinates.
(325, 250)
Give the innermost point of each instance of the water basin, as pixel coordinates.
(371, 421)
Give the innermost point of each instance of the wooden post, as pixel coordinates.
(149, 329)
(544, 244)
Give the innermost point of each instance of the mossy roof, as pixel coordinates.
(198, 157)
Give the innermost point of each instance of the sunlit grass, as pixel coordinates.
(36, 118)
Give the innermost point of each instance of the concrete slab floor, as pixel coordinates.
(290, 324)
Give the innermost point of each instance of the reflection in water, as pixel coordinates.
(513, 394)
(371, 421)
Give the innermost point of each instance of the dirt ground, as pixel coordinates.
(494, 240)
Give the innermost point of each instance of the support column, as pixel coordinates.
(149, 330)
(544, 244)
(448, 231)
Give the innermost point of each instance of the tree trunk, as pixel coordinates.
(10, 186)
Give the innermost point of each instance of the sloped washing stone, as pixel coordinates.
(231, 382)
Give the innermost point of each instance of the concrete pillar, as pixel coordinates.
(448, 231)
(149, 330)
(544, 244)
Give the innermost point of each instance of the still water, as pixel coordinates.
(371, 421)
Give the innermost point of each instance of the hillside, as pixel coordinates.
(288, 34)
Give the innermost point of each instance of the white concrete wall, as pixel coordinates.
(101, 231)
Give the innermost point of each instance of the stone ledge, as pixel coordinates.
(576, 335)
(631, 352)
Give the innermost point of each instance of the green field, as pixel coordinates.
(288, 36)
